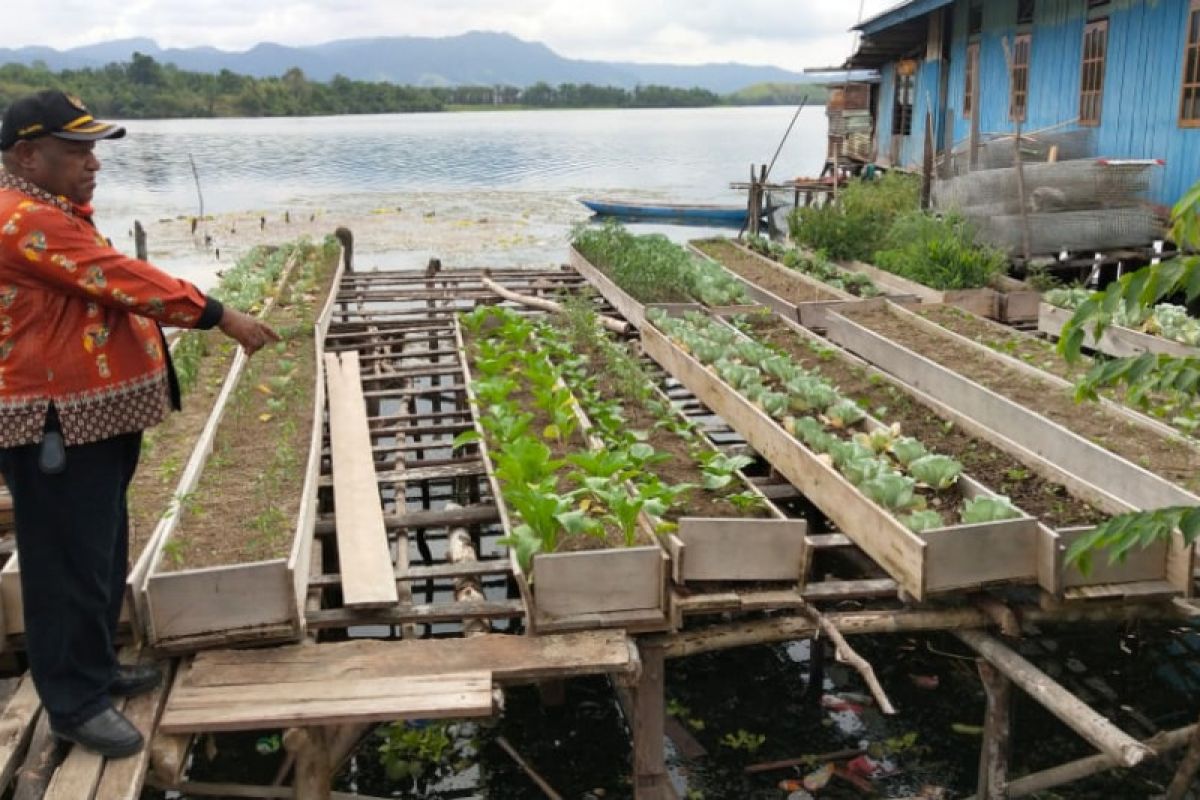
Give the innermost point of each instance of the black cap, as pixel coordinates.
(54, 113)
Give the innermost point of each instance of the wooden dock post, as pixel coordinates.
(997, 727)
(650, 779)
(139, 240)
(314, 773)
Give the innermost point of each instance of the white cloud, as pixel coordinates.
(789, 33)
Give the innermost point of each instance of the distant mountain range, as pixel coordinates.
(476, 58)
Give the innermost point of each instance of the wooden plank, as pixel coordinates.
(363, 553)
(401, 614)
(16, 727)
(743, 549)
(77, 776)
(276, 704)
(122, 779)
(508, 658)
(220, 601)
(567, 584)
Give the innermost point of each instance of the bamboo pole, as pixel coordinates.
(1097, 730)
(850, 623)
(844, 652)
(529, 771)
(1072, 771)
(613, 325)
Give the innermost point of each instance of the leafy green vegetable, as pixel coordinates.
(988, 509)
(939, 472)
(921, 521)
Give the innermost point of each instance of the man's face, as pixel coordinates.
(64, 167)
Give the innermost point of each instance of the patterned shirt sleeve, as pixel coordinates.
(69, 255)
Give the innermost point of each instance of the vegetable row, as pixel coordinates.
(895, 471)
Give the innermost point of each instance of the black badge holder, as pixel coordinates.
(52, 453)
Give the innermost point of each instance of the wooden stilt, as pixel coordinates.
(993, 755)
(1097, 730)
(1186, 773)
(650, 779)
(310, 746)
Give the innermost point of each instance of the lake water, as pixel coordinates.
(524, 166)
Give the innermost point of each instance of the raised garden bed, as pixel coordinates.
(631, 271)
(1115, 340)
(231, 561)
(775, 286)
(580, 562)
(725, 530)
(1066, 513)
(1170, 408)
(1102, 448)
(924, 557)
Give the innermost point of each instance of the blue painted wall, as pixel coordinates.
(1144, 70)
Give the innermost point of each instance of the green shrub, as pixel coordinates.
(940, 253)
(854, 227)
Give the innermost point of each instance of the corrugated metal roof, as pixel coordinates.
(899, 14)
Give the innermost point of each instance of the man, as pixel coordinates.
(84, 369)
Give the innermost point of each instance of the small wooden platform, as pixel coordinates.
(369, 680)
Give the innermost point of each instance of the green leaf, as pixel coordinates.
(465, 438)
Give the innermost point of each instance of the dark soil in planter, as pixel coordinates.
(246, 504)
(996, 469)
(794, 290)
(1036, 352)
(1172, 460)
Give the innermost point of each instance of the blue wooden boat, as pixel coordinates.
(700, 214)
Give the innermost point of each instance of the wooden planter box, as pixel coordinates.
(1111, 482)
(1115, 341)
(922, 564)
(810, 314)
(255, 602)
(738, 549)
(1012, 301)
(631, 309)
(1054, 576)
(615, 588)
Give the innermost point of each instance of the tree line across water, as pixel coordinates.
(143, 88)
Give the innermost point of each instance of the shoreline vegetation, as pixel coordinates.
(143, 88)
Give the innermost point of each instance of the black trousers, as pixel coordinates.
(73, 541)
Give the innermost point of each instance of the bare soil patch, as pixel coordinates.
(794, 290)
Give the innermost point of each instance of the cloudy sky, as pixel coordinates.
(789, 33)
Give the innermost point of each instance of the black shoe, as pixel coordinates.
(108, 734)
(134, 679)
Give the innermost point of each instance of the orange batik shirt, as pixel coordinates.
(78, 324)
